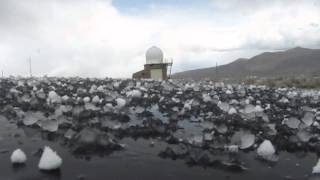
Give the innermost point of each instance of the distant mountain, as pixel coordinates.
(293, 62)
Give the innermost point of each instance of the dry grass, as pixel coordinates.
(298, 82)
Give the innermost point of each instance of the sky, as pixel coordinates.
(108, 38)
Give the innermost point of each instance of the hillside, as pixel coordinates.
(293, 62)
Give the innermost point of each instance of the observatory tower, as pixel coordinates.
(155, 68)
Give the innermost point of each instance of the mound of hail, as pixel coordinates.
(49, 160)
(65, 98)
(134, 93)
(242, 138)
(86, 99)
(232, 111)
(18, 157)
(120, 102)
(266, 149)
(316, 168)
(53, 97)
(95, 99)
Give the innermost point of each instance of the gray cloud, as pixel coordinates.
(255, 5)
(91, 38)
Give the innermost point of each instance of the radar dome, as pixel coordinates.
(154, 55)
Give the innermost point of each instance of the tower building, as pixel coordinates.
(155, 68)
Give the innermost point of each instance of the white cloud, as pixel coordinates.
(92, 38)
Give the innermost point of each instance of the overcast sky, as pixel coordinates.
(100, 38)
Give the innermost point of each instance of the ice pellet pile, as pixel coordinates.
(197, 120)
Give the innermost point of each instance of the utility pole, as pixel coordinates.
(2, 74)
(170, 67)
(216, 71)
(30, 67)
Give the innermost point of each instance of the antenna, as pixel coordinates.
(2, 74)
(30, 69)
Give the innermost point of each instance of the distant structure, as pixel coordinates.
(30, 67)
(155, 68)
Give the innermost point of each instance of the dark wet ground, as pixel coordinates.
(218, 129)
(137, 161)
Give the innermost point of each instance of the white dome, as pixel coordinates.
(154, 55)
